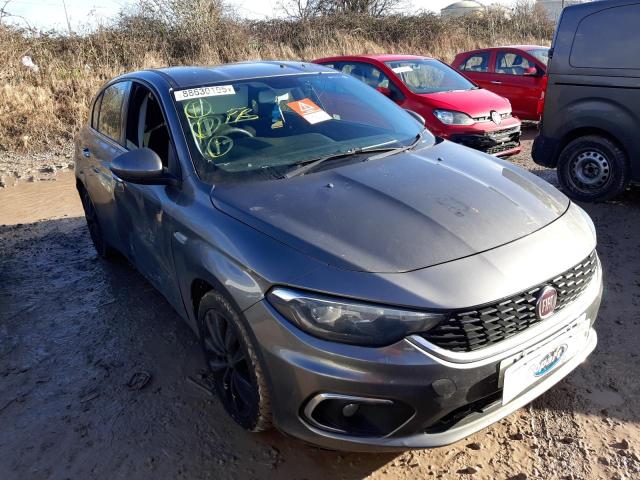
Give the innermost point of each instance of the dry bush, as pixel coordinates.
(43, 110)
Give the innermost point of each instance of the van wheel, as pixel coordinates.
(593, 169)
(237, 373)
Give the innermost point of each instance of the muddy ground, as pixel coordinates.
(79, 337)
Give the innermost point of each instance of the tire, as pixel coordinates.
(237, 373)
(103, 249)
(593, 169)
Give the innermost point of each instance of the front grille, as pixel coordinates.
(480, 327)
(506, 132)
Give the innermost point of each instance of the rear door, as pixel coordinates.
(475, 66)
(100, 145)
(517, 76)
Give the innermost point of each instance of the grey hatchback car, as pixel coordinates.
(355, 281)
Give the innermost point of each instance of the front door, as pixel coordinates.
(146, 212)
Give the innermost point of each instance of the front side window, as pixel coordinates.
(146, 127)
(424, 75)
(511, 63)
(478, 62)
(110, 117)
(263, 128)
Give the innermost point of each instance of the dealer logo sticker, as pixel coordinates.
(546, 304)
(550, 360)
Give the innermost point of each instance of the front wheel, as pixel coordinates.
(237, 373)
(593, 169)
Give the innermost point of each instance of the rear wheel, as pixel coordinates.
(95, 231)
(592, 169)
(237, 373)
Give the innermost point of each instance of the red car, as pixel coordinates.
(517, 72)
(452, 106)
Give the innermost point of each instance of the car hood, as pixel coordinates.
(476, 103)
(404, 212)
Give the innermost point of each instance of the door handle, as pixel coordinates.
(86, 152)
(180, 237)
(118, 184)
(496, 82)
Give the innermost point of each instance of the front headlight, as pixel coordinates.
(345, 321)
(450, 117)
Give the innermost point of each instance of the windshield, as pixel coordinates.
(263, 128)
(424, 75)
(541, 54)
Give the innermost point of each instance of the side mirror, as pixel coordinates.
(419, 118)
(530, 72)
(386, 91)
(142, 166)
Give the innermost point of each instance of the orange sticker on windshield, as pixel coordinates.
(308, 110)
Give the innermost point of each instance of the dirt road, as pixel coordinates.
(99, 377)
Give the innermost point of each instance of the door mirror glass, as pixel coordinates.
(416, 115)
(386, 91)
(143, 166)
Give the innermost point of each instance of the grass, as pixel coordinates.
(43, 110)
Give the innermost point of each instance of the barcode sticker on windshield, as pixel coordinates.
(405, 69)
(308, 110)
(201, 92)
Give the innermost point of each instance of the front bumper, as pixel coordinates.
(502, 143)
(500, 140)
(441, 397)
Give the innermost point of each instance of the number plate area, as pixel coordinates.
(523, 370)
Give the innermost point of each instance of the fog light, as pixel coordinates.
(350, 409)
(356, 416)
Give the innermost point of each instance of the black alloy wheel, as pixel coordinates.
(235, 369)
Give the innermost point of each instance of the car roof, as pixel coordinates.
(517, 47)
(185, 77)
(379, 57)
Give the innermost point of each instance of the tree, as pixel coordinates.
(306, 9)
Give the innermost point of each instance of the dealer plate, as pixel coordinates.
(544, 359)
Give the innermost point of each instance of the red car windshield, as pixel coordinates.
(423, 75)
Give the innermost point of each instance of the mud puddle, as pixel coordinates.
(77, 332)
(29, 202)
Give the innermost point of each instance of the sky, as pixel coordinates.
(50, 14)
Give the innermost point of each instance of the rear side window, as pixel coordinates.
(366, 73)
(478, 62)
(608, 39)
(110, 117)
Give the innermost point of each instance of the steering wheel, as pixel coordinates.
(236, 130)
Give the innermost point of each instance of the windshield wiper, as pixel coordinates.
(311, 164)
(393, 151)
